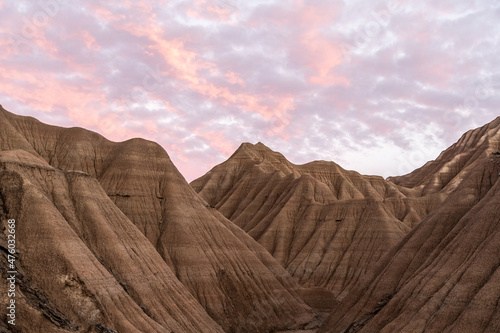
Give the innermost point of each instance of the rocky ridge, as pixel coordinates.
(445, 275)
(326, 225)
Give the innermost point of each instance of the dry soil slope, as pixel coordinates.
(445, 276)
(327, 226)
(83, 265)
(237, 282)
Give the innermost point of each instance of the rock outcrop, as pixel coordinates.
(112, 238)
(327, 226)
(445, 275)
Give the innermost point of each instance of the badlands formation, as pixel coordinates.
(111, 238)
(327, 226)
(416, 253)
(445, 274)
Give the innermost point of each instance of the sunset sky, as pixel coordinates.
(376, 86)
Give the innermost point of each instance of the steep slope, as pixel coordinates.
(83, 264)
(327, 226)
(445, 275)
(453, 164)
(235, 280)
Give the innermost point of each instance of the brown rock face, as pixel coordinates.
(327, 226)
(445, 275)
(112, 238)
(83, 262)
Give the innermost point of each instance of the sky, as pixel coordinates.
(379, 87)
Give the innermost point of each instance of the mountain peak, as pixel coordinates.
(258, 147)
(249, 154)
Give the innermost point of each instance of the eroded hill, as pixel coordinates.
(445, 275)
(111, 237)
(327, 226)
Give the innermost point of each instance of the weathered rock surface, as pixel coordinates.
(445, 275)
(111, 237)
(327, 226)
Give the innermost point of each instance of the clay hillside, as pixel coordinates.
(445, 275)
(337, 229)
(327, 226)
(111, 238)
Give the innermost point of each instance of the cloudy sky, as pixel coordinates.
(377, 86)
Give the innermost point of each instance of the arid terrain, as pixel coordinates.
(111, 238)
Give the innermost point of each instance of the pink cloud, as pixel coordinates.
(218, 140)
(186, 65)
(309, 46)
(5, 41)
(234, 78)
(220, 10)
(89, 41)
(322, 57)
(105, 14)
(83, 105)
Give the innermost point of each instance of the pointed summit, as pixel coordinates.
(302, 213)
(262, 155)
